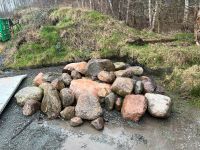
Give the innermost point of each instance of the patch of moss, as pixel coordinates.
(49, 34)
(195, 91)
(188, 37)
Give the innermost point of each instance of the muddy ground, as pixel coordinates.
(17, 132)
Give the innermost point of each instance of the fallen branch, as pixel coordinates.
(141, 42)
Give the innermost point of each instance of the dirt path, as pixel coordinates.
(181, 131)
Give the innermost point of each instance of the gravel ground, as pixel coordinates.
(17, 132)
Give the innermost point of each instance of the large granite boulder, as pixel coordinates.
(88, 86)
(106, 76)
(51, 104)
(159, 105)
(88, 107)
(80, 67)
(134, 107)
(95, 66)
(123, 86)
(28, 93)
(130, 72)
(67, 97)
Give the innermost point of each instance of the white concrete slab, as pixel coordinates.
(8, 86)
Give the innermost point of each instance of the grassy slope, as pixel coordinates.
(90, 34)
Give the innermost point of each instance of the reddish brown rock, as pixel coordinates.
(80, 67)
(38, 79)
(30, 107)
(107, 77)
(58, 84)
(88, 86)
(134, 107)
(123, 86)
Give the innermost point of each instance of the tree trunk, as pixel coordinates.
(154, 16)
(127, 11)
(150, 14)
(111, 7)
(186, 12)
(197, 28)
(90, 4)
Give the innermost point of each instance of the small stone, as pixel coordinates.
(63, 34)
(159, 105)
(88, 107)
(68, 113)
(118, 104)
(58, 84)
(110, 101)
(138, 87)
(28, 93)
(134, 107)
(38, 79)
(120, 65)
(103, 92)
(122, 86)
(76, 121)
(98, 123)
(30, 107)
(67, 97)
(75, 75)
(66, 79)
(107, 77)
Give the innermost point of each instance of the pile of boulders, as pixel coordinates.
(81, 91)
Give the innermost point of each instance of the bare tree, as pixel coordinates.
(155, 15)
(186, 12)
(127, 10)
(150, 14)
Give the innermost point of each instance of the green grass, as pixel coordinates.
(187, 37)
